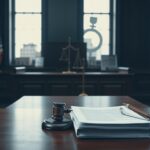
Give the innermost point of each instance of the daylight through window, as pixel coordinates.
(27, 31)
(96, 29)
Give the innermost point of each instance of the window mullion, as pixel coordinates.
(28, 13)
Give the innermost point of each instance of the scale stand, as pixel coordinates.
(83, 93)
(69, 57)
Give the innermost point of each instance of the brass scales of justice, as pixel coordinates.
(78, 63)
(66, 55)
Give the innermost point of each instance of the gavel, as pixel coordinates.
(59, 110)
(58, 121)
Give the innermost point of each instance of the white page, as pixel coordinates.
(106, 115)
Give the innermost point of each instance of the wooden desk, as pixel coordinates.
(20, 125)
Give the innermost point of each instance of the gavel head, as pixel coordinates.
(58, 111)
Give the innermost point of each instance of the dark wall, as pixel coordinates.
(0, 18)
(1, 25)
(133, 36)
(63, 19)
(4, 30)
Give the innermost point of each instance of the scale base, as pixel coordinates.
(51, 124)
(83, 94)
(69, 72)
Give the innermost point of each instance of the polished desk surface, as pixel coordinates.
(20, 125)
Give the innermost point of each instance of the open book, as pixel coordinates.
(109, 122)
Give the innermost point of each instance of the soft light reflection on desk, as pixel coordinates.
(99, 101)
(26, 126)
(20, 127)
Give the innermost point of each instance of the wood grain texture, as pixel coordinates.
(20, 125)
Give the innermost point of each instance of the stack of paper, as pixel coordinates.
(109, 122)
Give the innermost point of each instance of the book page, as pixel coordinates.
(107, 115)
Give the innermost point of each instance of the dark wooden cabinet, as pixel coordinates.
(58, 85)
(30, 85)
(4, 85)
(142, 84)
(46, 83)
(7, 85)
(116, 85)
(136, 85)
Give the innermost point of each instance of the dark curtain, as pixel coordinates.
(4, 31)
(133, 34)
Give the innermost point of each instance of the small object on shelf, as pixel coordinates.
(10, 70)
(109, 63)
(19, 69)
(58, 121)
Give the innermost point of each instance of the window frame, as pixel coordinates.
(44, 27)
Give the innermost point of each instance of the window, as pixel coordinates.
(98, 28)
(27, 31)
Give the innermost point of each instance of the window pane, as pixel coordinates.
(103, 51)
(28, 21)
(92, 37)
(102, 22)
(28, 5)
(96, 29)
(96, 6)
(28, 36)
(28, 32)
